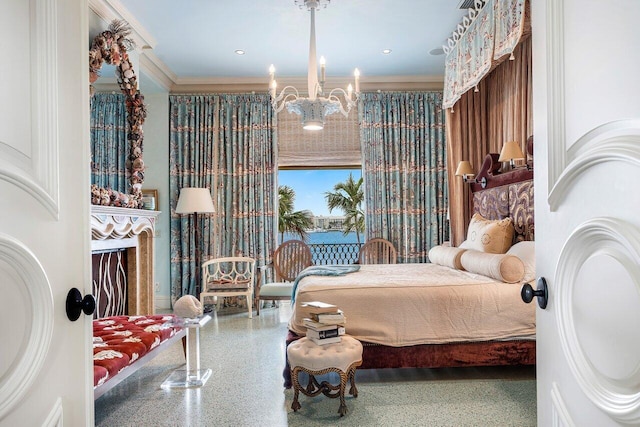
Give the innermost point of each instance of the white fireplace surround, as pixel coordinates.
(131, 229)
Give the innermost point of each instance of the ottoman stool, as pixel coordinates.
(343, 357)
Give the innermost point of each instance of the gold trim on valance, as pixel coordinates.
(491, 31)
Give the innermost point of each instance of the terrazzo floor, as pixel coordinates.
(245, 389)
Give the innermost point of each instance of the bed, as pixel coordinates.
(123, 344)
(431, 315)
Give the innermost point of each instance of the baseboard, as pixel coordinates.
(163, 302)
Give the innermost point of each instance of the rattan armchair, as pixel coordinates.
(377, 251)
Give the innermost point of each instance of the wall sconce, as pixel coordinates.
(510, 152)
(466, 172)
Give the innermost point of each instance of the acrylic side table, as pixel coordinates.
(193, 375)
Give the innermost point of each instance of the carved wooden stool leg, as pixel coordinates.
(353, 390)
(311, 385)
(343, 384)
(296, 389)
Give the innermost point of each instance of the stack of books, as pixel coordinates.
(326, 322)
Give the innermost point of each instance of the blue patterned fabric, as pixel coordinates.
(247, 174)
(404, 169)
(109, 145)
(322, 270)
(225, 143)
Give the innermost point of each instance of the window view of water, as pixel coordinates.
(326, 237)
(310, 189)
(331, 247)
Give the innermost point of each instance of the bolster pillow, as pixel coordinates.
(447, 256)
(506, 268)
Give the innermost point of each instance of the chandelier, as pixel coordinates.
(316, 106)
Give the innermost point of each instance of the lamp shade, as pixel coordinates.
(194, 200)
(510, 150)
(464, 168)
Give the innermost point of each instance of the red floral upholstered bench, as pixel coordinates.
(122, 344)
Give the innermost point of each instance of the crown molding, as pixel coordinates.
(157, 70)
(150, 64)
(253, 84)
(113, 9)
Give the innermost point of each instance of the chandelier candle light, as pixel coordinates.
(316, 106)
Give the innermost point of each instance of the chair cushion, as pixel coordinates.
(276, 289)
(225, 284)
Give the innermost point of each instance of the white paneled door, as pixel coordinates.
(45, 372)
(587, 160)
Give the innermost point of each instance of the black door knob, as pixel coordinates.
(76, 304)
(527, 293)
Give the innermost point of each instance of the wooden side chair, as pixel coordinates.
(227, 277)
(289, 259)
(377, 251)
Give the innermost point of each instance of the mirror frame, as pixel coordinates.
(111, 47)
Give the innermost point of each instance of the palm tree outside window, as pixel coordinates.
(348, 196)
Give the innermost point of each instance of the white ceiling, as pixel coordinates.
(196, 39)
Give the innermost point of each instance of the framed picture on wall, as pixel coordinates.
(150, 199)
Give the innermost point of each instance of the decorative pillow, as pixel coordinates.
(187, 306)
(447, 256)
(503, 267)
(491, 236)
(526, 251)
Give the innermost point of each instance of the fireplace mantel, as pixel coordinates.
(114, 228)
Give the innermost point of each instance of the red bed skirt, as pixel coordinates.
(487, 353)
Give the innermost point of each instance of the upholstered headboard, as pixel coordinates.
(508, 194)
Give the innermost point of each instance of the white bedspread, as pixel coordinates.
(408, 304)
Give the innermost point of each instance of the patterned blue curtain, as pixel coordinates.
(247, 169)
(404, 169)
(191, 157)
(109, 145)
(225, 143)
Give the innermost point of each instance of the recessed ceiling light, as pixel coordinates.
(239, 51)
(386, 51)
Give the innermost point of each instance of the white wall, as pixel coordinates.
(156, 159)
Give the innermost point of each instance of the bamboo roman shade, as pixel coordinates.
(337, 145)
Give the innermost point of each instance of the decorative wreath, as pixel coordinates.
(111, 47)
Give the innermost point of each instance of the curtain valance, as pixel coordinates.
(490, 32)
